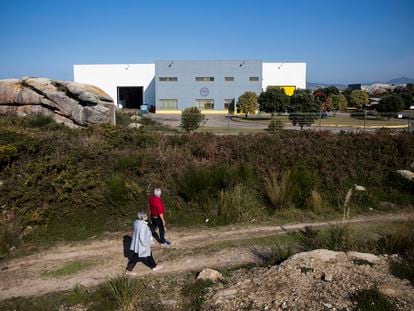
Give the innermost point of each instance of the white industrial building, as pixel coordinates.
(171, 86)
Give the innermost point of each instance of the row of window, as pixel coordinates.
(199, 103)
(204, 79)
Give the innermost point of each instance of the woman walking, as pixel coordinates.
(141, 245)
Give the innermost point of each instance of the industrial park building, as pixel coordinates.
(172, 86)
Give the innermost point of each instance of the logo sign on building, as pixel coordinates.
(204, 91)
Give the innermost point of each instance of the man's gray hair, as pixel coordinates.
(142, 215)
(157, 192)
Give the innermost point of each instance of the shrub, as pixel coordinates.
(7, 153)
(191, 119)
(129, 162)
(303, 183)
(201, 184)
(371, 300)
(117, 193)
(40, 120)
(275, 125)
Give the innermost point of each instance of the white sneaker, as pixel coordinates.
(130, 273)
(158, 267)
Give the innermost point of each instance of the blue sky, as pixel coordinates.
(341, 41)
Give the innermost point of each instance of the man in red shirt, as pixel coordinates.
(157, 215)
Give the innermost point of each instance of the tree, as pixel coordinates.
(191, 119)
(359, 98)
(303, 108)
(274, 99)
(247, 103)
(408, 100)
(390, 104)
(337, 102)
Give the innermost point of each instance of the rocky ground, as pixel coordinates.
(316, 280)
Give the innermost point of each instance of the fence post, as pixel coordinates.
(365, 117)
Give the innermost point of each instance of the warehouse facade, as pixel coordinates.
(171, 86)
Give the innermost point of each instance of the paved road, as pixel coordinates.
(223, 122)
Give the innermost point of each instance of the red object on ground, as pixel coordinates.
(156, 205)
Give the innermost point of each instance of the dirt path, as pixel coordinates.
(24, 276)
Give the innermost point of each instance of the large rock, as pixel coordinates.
(71, 103)
(209, 274)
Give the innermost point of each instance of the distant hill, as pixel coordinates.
(402, 80)
(314, 85)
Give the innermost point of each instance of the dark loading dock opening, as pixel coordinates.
(130, 96)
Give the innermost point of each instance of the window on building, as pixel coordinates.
(204, 79)
(168, 104)
(228, 79)
(168, 79)
(253, 78)
(205, 103)
(229, 104)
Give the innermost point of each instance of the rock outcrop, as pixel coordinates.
(71, 103)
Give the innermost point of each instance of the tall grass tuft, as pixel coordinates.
(278, 188)
(371, 300)
(9, 237)
(123, 292)
(339, 238)
(314, 201)
(239, 204)
(273, 255)
(308, 239)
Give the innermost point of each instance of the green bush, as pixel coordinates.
(40, 120)
(201, 183)
(275, 125)
(191, 119)
(117, 193)
(7, 153)
(303, 182)
(339, 238)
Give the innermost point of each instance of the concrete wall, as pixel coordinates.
(186, 89)
(284, 74)
(109, 77)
